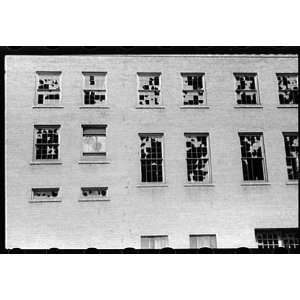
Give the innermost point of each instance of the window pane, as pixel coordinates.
(246, 88)
(149, 89)
(291, 142)
(94, 144)
(288, 88)
(200, 241)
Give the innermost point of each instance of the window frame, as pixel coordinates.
(92, 199)
(257, 90)
(200, 235)
(138, 75)
(278, 91)
(204, 104)
(264, 159)
(45, 200)
(152, 239)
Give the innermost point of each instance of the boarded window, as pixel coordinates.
(253, 160)
(197, 158)
(154, 242)
(291, 142)
(203, 240)
(288, 88)
(48, 88)
(94, 88)
(149, 89)
(246, 88)
(94, 193)
(46, 142)
(94, 140)
(151, 158)
(45, 194)
(193, 89)
(274, 238)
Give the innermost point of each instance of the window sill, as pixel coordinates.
(151, 185)
(46, 163)
(288, 106)
(94, 106)
(296, 182)
(199, 184)
(194, 107)
(248, 106)
(94, 162)
(150, 107)
(47, 106)
(93, 200)
(44, 201)
(255, 183)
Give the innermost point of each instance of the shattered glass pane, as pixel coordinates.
(197, 158)
(151, 159)
(288, 88)
(48, 89)
(246, 89)
(94, 192)
(291, 142)
(94, 97)
(149, 89)
(252, 157)
(193, 89)
(94, 88)
(45, 193)
(46, 143)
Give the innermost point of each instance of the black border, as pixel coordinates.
(123, 50)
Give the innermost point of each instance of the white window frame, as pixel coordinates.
(152, 239)
(278, 91)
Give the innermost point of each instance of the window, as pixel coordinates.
(94, 140)
(94, 88)
(274, 238)
(193, 89)
(253, 160)
(149, 89)
(154, 242)
(48, 88)
(288, 88)
(246, 89)
(45, 195)
(151, 157)
(94, 193)
(197, 158)
(46, 142)
(203, 240)
(291, 142)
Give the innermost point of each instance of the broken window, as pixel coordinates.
(48, 88)
(94, 193)
(154, 241)
(291, 142)
(197, 158)
(203, 240)
(288, 88)
(151, 158)
(246, 88)
(149, 89)
(252, 152)
(46, 142)
(274, 238)
(94, 88)
(193, 89)
(45, 194)
(94, 140)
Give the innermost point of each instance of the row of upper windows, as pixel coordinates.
(198, 157)
(149, 89)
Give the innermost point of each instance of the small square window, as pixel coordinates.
(94, 193)
(48, 88)
(193, 91)
(94, 140)
(45, 195)
(149, 89)
(154, 241)
(46, 142)
(288, 88)
(203, 240)
(246, 89)
(94, 88)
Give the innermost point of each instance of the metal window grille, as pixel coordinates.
(94, 192)
(267, 240)
(151, 158)
(94, 140)
(149, 89)
(288, 88)
(203, 240)
(94, 88)
(246, 89)
(253, 160)
(154, 242)
(46, 142)
(48, 88)
(193, 89)
(197, 157)
(291, 142)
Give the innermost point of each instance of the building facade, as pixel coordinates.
(150, 151)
